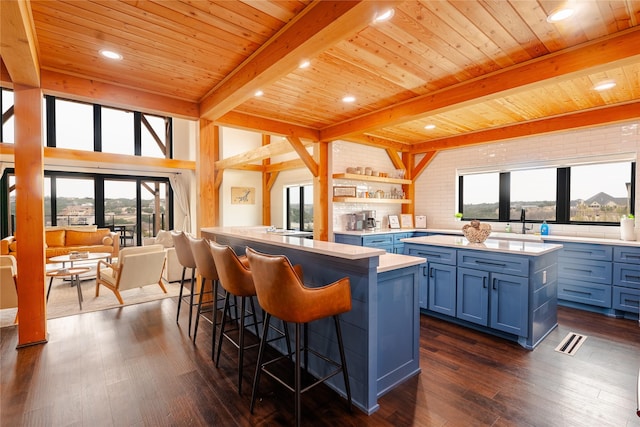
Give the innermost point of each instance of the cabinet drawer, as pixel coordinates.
(585, 293)
(626, 299)
(626, 254)
(627, 275)
(432, 254)
(377, 240)
(591, 271)
(347, 239)
(586, 251)
(494, 262)
(398, 236)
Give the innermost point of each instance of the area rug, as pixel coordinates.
(63, 299)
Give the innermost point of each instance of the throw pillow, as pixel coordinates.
(164, 238)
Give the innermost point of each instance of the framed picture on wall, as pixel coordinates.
(406, 221)
(421, 221)
(394, 222)
(243, 195)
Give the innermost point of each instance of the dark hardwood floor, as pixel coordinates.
(135, 366)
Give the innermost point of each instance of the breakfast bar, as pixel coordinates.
(381, 333)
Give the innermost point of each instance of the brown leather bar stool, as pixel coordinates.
(185, 258)
(282, 294)
(236, 279)
(207, 270)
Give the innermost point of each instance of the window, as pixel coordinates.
(533, 190)
(73, 125)
(591, 193)
(117, 131)
(154, 136)
(7, 132)
(74, 201)
(601, 193)
(480, 195)
(299, 209)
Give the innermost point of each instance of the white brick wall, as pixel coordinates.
(436, 194)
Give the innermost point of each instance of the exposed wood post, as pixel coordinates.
(208, 206)
(30, 238)
(320, 192)
(266, 187)
(409, 189)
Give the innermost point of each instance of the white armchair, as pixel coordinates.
(137, 266)
(8, 287)
(173, 268)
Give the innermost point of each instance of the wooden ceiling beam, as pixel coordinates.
(375, 141)
(261, 124)
(260, 153)
(283, 166)
(320, 24)
(622, 47)
(304, 155)
(81, 89)
(18, 46)
(424, 162)
(583, 119)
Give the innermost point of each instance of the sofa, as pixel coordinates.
(63, 240)
(172, 269)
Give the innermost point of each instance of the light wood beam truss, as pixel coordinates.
(161, 145)
(622, 48)
(304, 155)
(18, 45)
(320, 24)
(266, 189)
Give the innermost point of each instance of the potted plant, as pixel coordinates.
(627, 227)
(458, 216)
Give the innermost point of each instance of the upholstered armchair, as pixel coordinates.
(8, 286)
(173, 268)
(137, 266)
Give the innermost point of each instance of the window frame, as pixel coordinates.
(563, 194)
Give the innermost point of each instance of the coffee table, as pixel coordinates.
(72, 273)
(91, 256)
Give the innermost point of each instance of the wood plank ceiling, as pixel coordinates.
(467, 67)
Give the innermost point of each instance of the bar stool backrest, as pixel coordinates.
(203, 258)
(281, 293)
(183, 249)
(234, 275)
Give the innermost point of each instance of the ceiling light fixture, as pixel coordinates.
(304, 64)
(110, 54)
(604, 85)
(349, 98)
(559, 14)
(384, 16)
(259, 93)
(430, 126)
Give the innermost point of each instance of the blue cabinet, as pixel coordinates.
(626, 280)
(389, 242)
(499, 301)
(438, 284)
(584, 276)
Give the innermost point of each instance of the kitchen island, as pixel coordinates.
(503, 287)
(381, 333)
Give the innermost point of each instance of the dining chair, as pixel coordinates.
(8, 283)
(185, 258)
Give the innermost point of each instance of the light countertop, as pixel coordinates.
(389, 262)
(501, 235)
(519, 247)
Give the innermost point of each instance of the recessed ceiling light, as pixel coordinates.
(259, 93)
(110, 54)
(430, 126)
(604, 85)
(559, 14)
(349, 98)
(304, 64)
(384, 16)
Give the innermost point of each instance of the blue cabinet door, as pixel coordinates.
(473, 296)
(442, 288)
(509, 304)
(423, 291)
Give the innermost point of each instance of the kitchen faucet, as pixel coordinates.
(523, 217)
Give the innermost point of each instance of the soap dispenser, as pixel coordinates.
(544, 228)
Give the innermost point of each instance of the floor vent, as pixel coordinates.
(571, 343)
